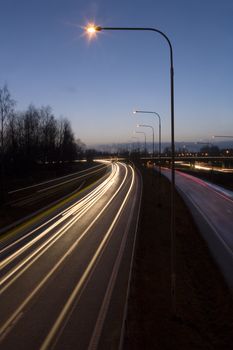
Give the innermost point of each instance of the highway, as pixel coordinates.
(64, 283)
(212, 209)
(30, 200)
(48, 189)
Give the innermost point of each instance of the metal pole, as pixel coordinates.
(157, 115)
(173, 235)
(153, 143)
(153, 137)
(159, 136)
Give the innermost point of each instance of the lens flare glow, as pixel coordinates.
(91, 30)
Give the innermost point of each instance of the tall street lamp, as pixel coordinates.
(142, 132)
(153, 134)
(157, 115)
(92, 29)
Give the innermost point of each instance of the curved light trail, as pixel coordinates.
(100, 224)
(74, 213)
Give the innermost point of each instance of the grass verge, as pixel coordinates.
(204, 304)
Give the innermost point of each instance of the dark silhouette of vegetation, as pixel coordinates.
(6, 110)
(32, 137)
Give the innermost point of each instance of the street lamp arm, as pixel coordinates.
(230, 137)
(146, 126)
(153, 134)
(157, 115)
(150, 112)
(141, 132)
(98, 28)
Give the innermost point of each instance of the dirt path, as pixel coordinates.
(204, 304)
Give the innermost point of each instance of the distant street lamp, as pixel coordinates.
(153, 134)
(92, 30)
(142, 132)
(227, 137)
(157, 115)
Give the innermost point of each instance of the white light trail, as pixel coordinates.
(80, 203)
(88, 203)
(63, 314)
(52, 180)
(20, 308)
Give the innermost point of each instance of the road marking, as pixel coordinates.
(62, 259)
(13, 323)
(206, 218)
(81, 202)
(44, 247)
(122, 336)
(93, 344)
(204, 183)
(64, 182)
(52, 180)
(54, 330)
(85, 198)
(42, 214)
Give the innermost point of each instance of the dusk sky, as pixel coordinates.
(46, 60)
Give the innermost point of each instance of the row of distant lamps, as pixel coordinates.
(151, 127)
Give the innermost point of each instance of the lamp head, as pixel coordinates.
(92, 28)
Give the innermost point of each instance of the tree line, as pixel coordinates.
(33, 136)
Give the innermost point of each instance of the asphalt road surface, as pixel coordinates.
(212, 208)
(64, 284)
(38, 192)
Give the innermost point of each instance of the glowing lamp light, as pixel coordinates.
(91, 29)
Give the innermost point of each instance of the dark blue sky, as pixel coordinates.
(45, 59)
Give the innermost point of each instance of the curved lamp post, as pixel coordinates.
(157, 115)
(92, 29)
(153, 134)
